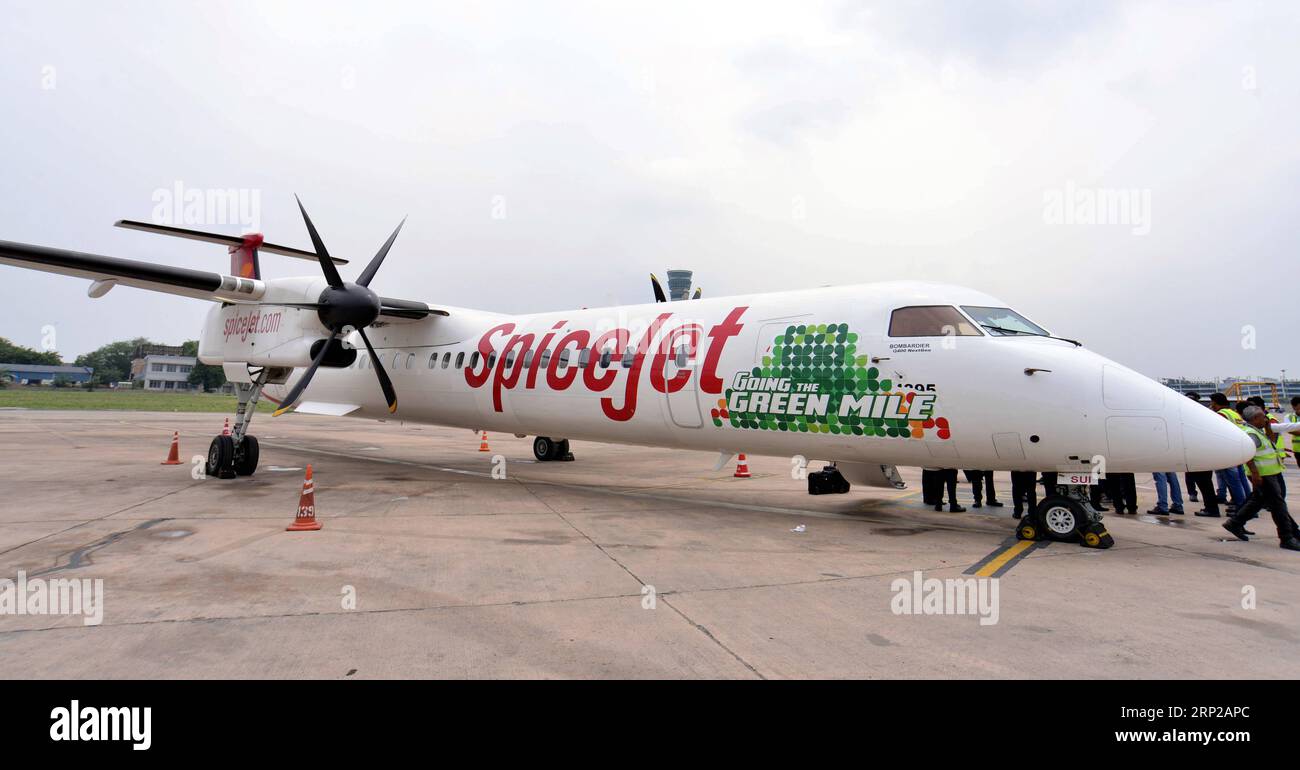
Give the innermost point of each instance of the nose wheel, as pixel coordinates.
(1066, 516)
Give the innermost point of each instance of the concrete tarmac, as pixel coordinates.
(628, 563)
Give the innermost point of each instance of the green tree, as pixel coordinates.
(17, 354)
(208, 377)
(112, 362)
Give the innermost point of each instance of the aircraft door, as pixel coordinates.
(684, 405)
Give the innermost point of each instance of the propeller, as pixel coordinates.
(659, 290)
(343, 307)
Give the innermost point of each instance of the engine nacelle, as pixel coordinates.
(266, 334)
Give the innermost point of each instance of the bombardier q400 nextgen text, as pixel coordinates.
(867, 377)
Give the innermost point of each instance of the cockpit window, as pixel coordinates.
(1000, 321)
(930, 321)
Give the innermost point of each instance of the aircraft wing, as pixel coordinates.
(200, 284)
(107, 272)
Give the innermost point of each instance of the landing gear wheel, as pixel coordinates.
(562, 451)
(544, 449)
(221, 457)
(246, 454)
(1062, 518)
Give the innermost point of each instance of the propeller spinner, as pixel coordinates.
(343, 307)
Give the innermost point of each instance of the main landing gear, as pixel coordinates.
(546, 449)
(827, 481)
(237, 454)
(1066, 516)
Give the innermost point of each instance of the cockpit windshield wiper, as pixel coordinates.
(1005, 330)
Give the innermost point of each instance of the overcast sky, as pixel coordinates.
(551, 155)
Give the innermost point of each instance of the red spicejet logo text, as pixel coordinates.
(254, 322)
(598, 379)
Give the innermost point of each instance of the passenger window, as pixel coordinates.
(564, 359)
(460, 359)
(930, 321)
(628, 357)
(473, 360)
(446, 359)
(492, 360)
(682, 359)
(433, 360)
(584, 358)
(545, 359)
(410, 360)
(605, 356)
(528, 359)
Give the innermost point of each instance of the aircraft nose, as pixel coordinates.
(1211, 442)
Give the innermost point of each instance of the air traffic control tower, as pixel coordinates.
(679, 284)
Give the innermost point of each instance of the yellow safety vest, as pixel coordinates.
(1231, 414)
(1267, 461)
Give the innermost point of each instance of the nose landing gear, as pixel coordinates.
(1066, 516)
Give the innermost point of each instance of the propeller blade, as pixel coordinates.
(373, 267)
(698, 292)
(323, 256)
(288, 402)
(659, 290)
(386, 384)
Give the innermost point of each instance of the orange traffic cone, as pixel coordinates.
(305, 521)
(226, 430)
(483, 447)
(174, 456)
(742, 467)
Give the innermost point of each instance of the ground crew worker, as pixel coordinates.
(1232, 478)
(1024, 492)
(1123, 492)
(931, 486)
(1203, 481)
(1189, 480)
(1219, 403)
(1295, 417)
(1264, 470)
(980, 482)
(1279, 440)
(948, 480)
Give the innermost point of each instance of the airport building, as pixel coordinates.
(1274, 390)
(162, 367)
(679, 285)
(45, 374)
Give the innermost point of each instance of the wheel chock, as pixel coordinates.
(1028, 529)
(1096, 536)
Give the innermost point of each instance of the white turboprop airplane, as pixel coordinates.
(867, 377)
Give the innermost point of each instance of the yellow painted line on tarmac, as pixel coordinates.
(1003, 558)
